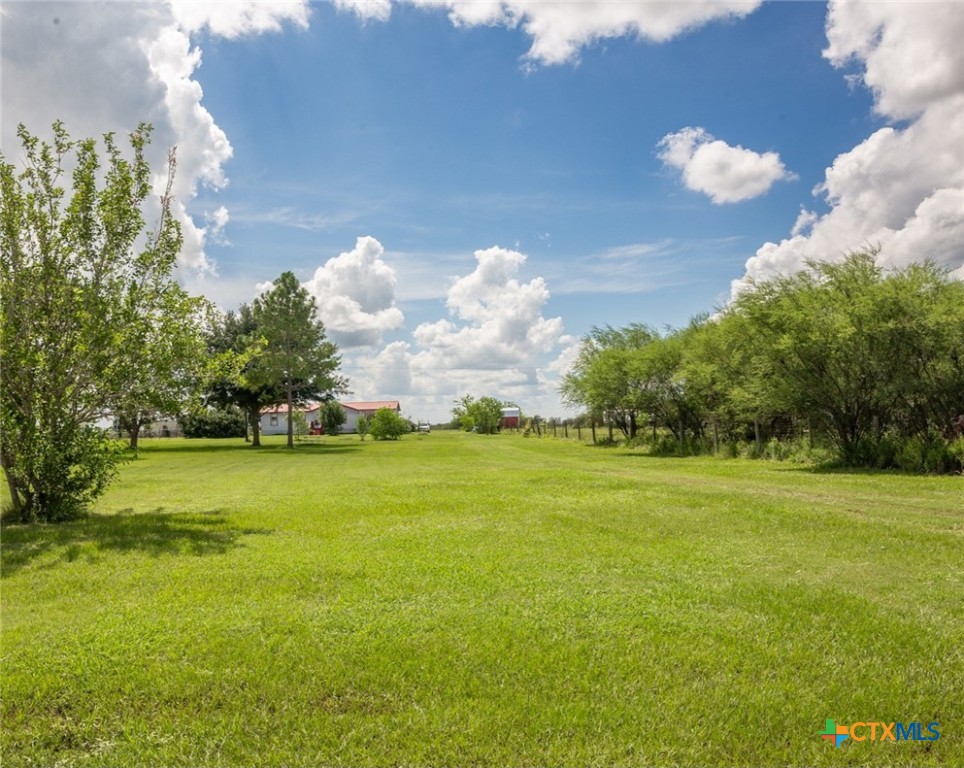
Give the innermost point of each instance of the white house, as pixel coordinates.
(366, 409)
(274, 420)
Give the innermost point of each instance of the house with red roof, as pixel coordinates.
(274, 420)
(367, 409)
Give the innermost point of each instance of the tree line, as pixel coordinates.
(866, 362)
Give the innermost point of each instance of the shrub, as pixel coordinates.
(299, 424)
(387, 425)
(217, 423)
(956, 452)
(332, 417)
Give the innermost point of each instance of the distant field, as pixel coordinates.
(455, 599)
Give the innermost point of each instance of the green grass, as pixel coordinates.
(454, 599)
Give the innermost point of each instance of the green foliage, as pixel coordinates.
(386, 424)
(92, 317)
(956, 453)
(213, 423)
(299, 424)
(332, 417)
(298, 359)
(617, 374)
(843, 354)
(361, 426)
(162, 362)
(863, 350)
(483, 415)
(234, 339)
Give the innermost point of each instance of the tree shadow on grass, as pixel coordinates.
(832, 468)
(302, 446)
(156, 533)
(827, 467)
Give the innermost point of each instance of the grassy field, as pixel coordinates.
(454, 599)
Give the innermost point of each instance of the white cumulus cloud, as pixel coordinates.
(911, 53)
(902, 188)
(379, 10)
(495, 342)
(560, 28)
(724, 173)
(236, 18)
(107, 67)
(215, 224)
(355, 293)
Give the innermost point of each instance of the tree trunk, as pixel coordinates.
(255, 429)
(291, 420)
(756, 434)
(247, 425)
(133, 429)
(716, 437)
(593, 423)
(15, 500)
(132, 426)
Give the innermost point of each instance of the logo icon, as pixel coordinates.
(880, 731)
(835, 733)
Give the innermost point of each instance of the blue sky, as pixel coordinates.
(437, 142)
(467, 200)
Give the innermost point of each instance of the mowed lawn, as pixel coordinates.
(455, 599)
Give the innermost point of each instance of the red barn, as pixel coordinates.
(511, 417)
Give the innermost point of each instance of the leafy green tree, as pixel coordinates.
(234, 338)
(386, 424)
(868, 359)
(726, 379)
(162, 361)
(610, 378)
(332, 417)
(483, 415)
(298, 358)
(863, 350)
(361, 426)
(71, 268)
